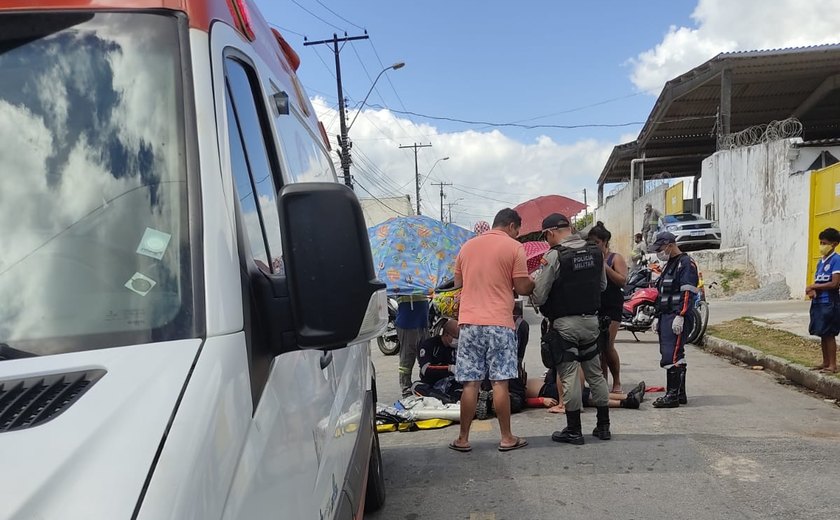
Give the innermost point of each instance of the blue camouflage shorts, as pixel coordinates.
(486, 350)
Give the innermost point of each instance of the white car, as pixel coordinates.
(187, 295)
(692, 231)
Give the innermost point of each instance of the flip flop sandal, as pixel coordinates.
(520, 443)
(462, 449)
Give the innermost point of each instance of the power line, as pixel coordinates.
(318, 17)
(364, 68)
(514, 125)
(286, 30)
(380, 200)
(338, 15)
(324, 62)
(417, 146)
(583, 107)
(482, 196)
(387, 78)
(344, 143)
(382, 175)
(532, 195)
(381, 181)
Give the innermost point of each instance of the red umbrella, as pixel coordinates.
(534, 252)
(535, 210)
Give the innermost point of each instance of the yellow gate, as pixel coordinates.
(674, 199)
(825, 210)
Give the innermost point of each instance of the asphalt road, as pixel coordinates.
(746, 446)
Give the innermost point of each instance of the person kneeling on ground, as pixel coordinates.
(545, 393)
(516, 386)
(437, 365)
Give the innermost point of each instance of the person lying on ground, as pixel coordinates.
(546, 393)
(516, 389)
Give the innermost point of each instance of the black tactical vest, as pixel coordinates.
(670, 295)
(577, 288)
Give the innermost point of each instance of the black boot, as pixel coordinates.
(631, 402)
(682, 397)
(638, 392)
(671, 398)
(602, 430)
(571, 434)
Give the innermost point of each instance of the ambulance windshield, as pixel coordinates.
(94, 236)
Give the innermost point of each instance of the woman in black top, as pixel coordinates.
(612, 299)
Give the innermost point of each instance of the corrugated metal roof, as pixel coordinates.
(767, 85)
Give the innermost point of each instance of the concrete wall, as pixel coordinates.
(720, 259)
(379, 210)
(614, 214)
(761, 204)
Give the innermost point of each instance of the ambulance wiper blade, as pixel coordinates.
(7, 353)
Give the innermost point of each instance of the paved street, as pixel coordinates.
(746, 446)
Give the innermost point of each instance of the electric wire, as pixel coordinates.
(316, 16)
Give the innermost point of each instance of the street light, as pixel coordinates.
(433, 167)
(395, 66)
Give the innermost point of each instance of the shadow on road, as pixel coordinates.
(716, 400)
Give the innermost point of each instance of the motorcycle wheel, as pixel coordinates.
(699, 326)
(703, 307)
(389, 343)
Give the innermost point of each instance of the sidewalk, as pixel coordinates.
(789, 315)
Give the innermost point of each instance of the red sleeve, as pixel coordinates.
(458, 265)
(520, 265)
(534, 402)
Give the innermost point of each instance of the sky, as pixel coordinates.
(597, 66)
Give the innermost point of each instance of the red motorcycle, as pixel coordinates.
(639, 313)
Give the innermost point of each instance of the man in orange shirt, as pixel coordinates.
(489, 268)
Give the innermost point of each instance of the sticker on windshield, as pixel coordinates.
(154, 243)
(140, 284)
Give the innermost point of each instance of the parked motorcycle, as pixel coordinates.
(389, 343)
(639, 312)
(641, 277)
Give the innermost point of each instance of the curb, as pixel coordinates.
(826, 385)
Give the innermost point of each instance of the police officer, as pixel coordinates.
(568, 291)
(677, 290)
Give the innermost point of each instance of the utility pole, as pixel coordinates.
(450, 211)
(442, 195)
(586, 206)
(416, 170)
(344, 144)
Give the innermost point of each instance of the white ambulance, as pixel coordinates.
(186, 293)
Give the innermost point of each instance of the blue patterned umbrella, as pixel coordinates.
(413, 255)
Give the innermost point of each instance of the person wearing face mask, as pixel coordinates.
(825, 300)
(568, 293)
(437, 355)
(677, 289)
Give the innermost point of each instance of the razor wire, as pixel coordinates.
(760, 134)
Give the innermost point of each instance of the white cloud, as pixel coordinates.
(725, 26)
(489, 169)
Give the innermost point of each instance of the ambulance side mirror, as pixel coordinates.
(335, 296)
